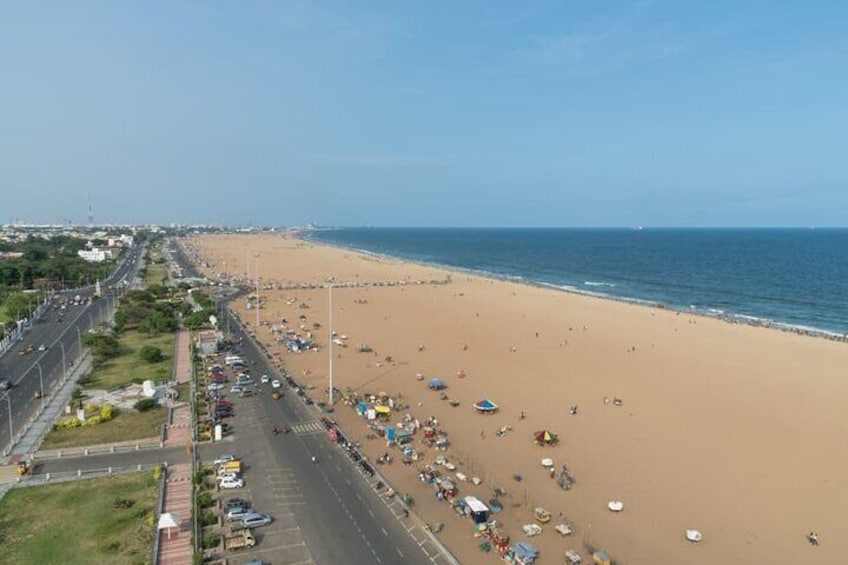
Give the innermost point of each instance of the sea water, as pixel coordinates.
(795, 278)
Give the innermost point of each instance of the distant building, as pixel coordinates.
(95, 255)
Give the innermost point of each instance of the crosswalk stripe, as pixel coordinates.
(307, 427)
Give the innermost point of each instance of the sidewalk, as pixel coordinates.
(179, 430)
(56, 400)
(177, 550)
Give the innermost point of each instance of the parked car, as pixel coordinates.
(230, 482)
(235, 389)
(246, 392)
(42, 347)
(276, 384)
(264, 379)
(221, 459)
(233, 502)
(236, 513)
(5, 384)
(255, 520)
(214, 386)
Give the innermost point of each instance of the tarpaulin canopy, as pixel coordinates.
(382, 410)
(485, 405)
(436, 384)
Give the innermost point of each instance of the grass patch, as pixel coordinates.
(127, 368)
(125, 425)
(184, 390)
(94, 521)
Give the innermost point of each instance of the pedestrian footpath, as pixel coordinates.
(175, 547)
(178, 549)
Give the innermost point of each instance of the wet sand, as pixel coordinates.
(734, 430)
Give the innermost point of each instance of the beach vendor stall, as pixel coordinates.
(485, 406)
(524, 553)
(475, 508)
(383, 412)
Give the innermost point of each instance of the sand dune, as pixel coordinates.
(734, 430)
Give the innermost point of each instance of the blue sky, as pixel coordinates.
(561, 113)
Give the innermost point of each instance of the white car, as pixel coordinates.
(228, 476)
(42, 347)
(215, 386)
(230, 482)
(265, 379)
(224, 459)
(276, 383)
(235, 389)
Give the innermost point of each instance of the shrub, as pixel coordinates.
(157, 472)
(209, 519)
(205, 500)
(210, 541)
(150, 354)
(123, 503)
(93, 421)
(105, 412)
(146, 404)
(71, 422)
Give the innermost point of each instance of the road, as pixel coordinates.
(340, 518)
(41, 370)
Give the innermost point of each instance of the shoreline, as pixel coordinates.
(710, 313)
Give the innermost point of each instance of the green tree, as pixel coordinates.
(150, 354)
(18, 305)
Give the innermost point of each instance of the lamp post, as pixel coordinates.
(330, 306)
(79, 340)
(64, 364)
(11, 432)
(40, 380)
(257, 295)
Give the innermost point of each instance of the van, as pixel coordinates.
(232, 360)
(230, 467)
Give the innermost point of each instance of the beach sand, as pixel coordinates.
(733, 430)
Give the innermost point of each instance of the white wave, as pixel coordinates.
(595, 283)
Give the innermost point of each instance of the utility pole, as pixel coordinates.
(330, 344)
(257, 295)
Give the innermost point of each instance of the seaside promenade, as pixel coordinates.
(175, 547)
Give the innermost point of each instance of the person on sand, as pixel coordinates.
(813, 538)
(523, 415)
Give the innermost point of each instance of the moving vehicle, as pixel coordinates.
(256, 519)
(239, 540)
(42, 347)
(26, 350)
(5, 384)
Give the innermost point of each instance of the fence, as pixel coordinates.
(124, 447)
(80, 475)
(160, 506)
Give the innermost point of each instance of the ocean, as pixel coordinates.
(792, 278)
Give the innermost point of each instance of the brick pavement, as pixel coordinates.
(177, 549)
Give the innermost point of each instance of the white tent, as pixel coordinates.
(169, 520)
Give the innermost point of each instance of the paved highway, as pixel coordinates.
(344, 520)
(42, 370)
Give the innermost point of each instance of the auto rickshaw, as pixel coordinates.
(601, 558)
(275, 395)
(543, 515)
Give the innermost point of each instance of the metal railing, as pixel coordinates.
(122, 447)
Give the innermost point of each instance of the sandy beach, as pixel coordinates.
(733, 430)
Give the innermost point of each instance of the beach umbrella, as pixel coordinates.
(169, 520)
(545, 437)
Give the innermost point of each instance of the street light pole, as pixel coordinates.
(40, 380)
(330, 306)
(11, 433)
(79, 340)
(64, 364)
